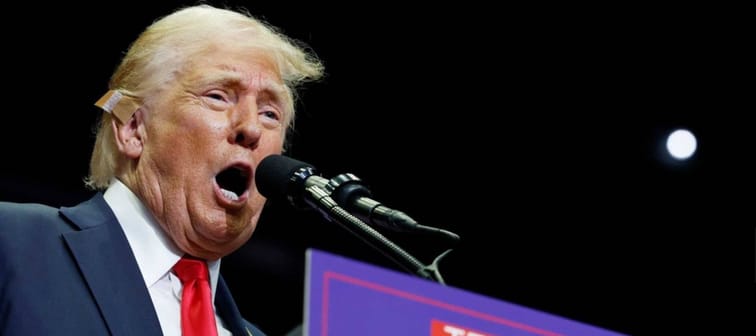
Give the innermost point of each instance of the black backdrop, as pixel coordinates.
(534, 132)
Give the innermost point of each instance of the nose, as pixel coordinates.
(246, 129)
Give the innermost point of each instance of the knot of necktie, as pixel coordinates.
(190, 269)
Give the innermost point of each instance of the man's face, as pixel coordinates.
(204, 137)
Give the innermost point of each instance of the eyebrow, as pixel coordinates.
(234, 79)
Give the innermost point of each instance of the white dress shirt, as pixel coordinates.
(156, 255)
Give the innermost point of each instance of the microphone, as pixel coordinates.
(345, 201)
(279, 176)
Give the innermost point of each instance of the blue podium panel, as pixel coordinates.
(344, 297)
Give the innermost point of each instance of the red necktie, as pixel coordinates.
(197, 315)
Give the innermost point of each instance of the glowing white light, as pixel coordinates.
(681, 144)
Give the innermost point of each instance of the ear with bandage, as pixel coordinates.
(120, 106)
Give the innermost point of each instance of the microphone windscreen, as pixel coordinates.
(275, 176)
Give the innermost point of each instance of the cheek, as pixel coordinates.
(176, 148)
(258, 202)
(272, 143)
(193, 135)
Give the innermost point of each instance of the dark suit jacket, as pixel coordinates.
(71, 272)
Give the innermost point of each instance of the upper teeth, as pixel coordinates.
(230, 194)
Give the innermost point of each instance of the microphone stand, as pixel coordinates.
(319, 199)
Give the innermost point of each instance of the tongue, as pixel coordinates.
(230, 194)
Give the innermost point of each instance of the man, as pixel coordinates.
(200, 98)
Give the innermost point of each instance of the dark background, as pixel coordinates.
(534, 132)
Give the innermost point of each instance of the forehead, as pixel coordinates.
(230, 66)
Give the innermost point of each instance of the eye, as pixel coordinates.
(271, 114)
(219, 100)
(217, 95)
(270, 118)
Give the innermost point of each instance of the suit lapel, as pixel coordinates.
(227, 310)
(110, 269)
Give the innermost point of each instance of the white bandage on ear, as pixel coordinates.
(120, 106)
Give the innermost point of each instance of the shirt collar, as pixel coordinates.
(155, 253)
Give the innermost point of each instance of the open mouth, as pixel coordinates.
(234, 181)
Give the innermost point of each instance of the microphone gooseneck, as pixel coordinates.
(346, 201)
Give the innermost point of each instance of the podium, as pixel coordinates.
(344, 297)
